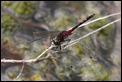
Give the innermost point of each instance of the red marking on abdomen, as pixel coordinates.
(69, 31)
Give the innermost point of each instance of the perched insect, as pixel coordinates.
(61, 37)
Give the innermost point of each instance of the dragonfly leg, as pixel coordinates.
(60, 47)
(34, 40)
(57, 48)
(68, 40)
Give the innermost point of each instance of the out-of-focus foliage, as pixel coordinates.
(7, 23)
(21, 8)
(88, 60)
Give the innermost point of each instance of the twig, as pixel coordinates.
(20, 72)
(44, 52)
(77, 40)
(16, 61)
(100, 18)
(26, 61)
(70, 43)
(43, 58)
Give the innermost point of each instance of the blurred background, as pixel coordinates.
(25, 21)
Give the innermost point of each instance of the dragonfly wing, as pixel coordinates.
(46, 34)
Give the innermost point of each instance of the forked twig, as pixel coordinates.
(26, 61)
(70, 43)
(77, 40)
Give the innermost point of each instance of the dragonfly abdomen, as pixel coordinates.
(89, 17)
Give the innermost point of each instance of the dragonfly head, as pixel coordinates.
(55, 41)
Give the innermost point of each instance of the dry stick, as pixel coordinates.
(77, 40)
(71, 43)
(16, 61)
(20, 72)
(26, 61)
(100, 18)
(33, 60)
(44, 52)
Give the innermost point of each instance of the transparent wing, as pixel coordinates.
(43, 35)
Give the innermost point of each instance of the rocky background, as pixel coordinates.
(19, 21)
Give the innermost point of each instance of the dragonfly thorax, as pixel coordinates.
(61, 37)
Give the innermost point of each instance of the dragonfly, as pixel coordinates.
(63, 35)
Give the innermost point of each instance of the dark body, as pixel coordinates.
(61, 37)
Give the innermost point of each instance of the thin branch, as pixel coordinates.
(77, 40)
(16, 61)
(43, 58)
(26, 61)
(100, 18)
(44, 52)
(20, 72)
(70, 44)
